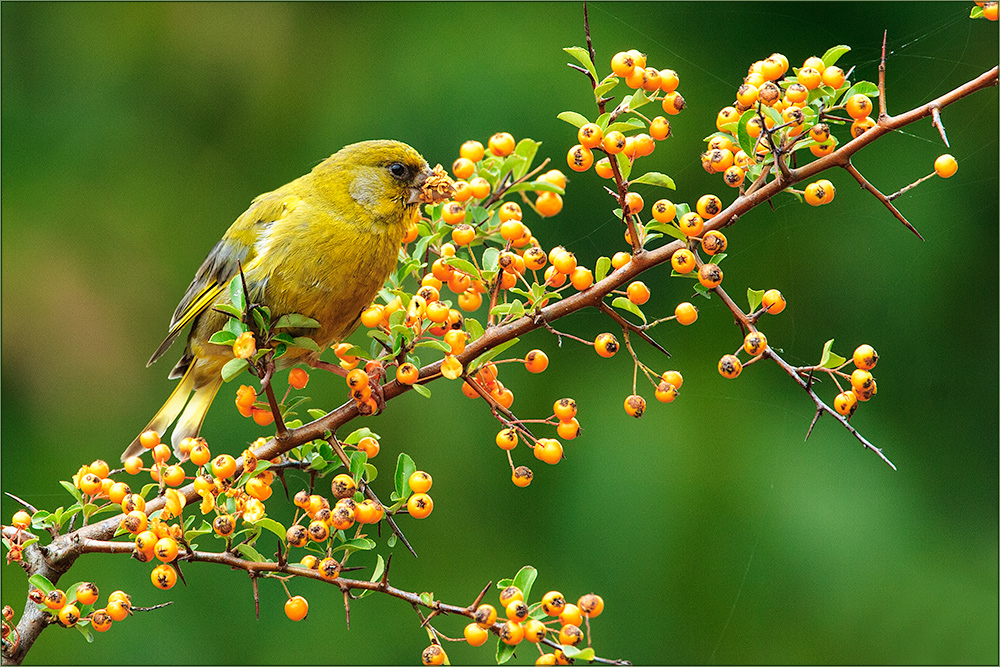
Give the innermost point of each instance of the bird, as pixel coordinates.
(320, 246)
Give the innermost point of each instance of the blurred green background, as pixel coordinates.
(133, 134)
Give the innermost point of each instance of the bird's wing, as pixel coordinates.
(236, 248)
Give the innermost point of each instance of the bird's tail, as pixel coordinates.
(190, 420)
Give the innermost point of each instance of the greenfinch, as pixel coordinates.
(321, 246)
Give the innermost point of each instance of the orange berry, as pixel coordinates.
(683, 261)
(710, 275)
(755, 342)
(553, 603)
(691, 224)
(845, 403)
(637, 292)
(606, 345)
(453, 213)
(945, 166)
(511, 633)
(149, 439)
(90, 484)
(521, 476)
(834, 77)
(734, 176)
(485, 616)
(746, 94)
(548, 450)
(472, 150)
(567, 430)
(665, 392)
(507, 439)
(579, 158)
(810, 77)
(669, 80)
(709, 206)
(463, 168)
(133, 465)
(501, 144)
(659, 128)
(590, 135)
(548, 204)
(725, 116)
(475, 635)
(865, 357)
(163, 576)
(614, 142)
(673, 103)
(100, 620)
(69, 615)
(635, 405)
(858, 106)
(223, 466)
(633, 200)
(297, 607)
(581, 278)
(173, 475)
(686, 313)
(262, 416)
(730, 366)
(536, 361)
(570, 635)
(420, 482)
(420, 505)
(714, 242)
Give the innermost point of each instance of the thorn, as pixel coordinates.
(936, 122)
(479, 598)
(256, 593)
(815, 419)
(347, 607)
(385, 573)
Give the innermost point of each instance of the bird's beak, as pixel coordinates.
(431, 187)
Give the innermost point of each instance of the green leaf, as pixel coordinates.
(654, 178)
(624, 304)
(307, 343)
(626, 125)
(667, 228)
(435, 345)
(491, 259)
(463, 265)
(233, 368)
(236, 327)
(524, 578)
(863, 87)
(474, 328)
(830, 359)
(376, 575)
(358, 460)
(223, 338)
(602, 268)
(583, 56)
(73, 491)
(504, 652)
(833, 54)
(236, 296)
(85, 631)
(404, 468)
(609, 82)
(259, 319)
(490, 354)
(249, 553)
(515, 308)
(638, 99)
(536, 186)
(391, 542)
(423, 390)
(296, 321)
(624, 165)
(573, 653)
(228, 309)
(41, 583)
(754, 298)
(357, 544)
(742, 136)
(526, 148)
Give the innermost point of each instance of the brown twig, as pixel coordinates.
(850, 168)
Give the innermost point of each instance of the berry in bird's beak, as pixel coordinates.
(432, 187)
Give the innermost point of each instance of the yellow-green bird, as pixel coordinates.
(321, 246)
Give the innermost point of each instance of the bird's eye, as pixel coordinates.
(398, 170)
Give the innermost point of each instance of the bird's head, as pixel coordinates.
(386, 178)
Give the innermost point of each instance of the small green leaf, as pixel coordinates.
(524, 579)
(864, 88)
(624, 165)
(223, 338)
(435, 345)
(463, 265)
(624, 304)
(356, 544)
(638, 99)
(754, 298)
(233, 368)
(85, 631)
(249, 553)
(490, 354)
(423, 390)
(833, 54)
(830, 359)
(504, 652)
(626, 125)
(307, 343)
(573, 653)
(526, 148)
(404, 468)
(41, 583)
(602, 268)
(583, 56)
(609, 82)
(236, 327)
(73, 491)
(236, 296)
(654, 178)
(742, 136)
(296, 321)
(474, 328)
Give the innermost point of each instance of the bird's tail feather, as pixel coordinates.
(193, 415)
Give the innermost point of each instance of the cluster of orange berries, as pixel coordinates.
(755, 342)
(989, 10)
(526, 623)
(863, 386)
(785, 100)
(80, 606)
(162, 537)
(631, 66)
